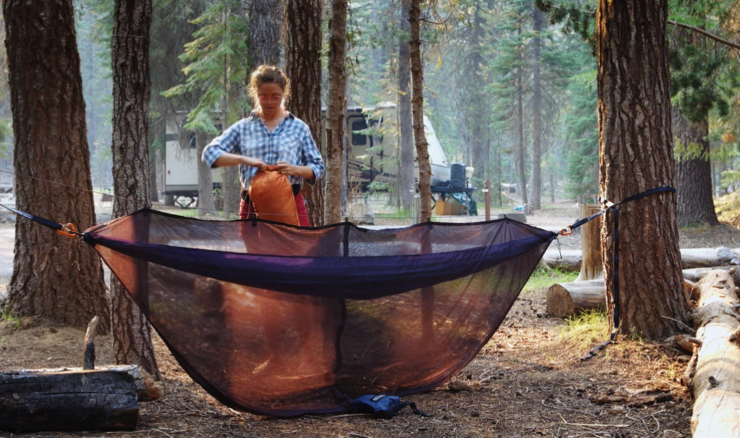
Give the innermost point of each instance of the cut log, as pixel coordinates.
(34, 401)
(708, 257)
(570, 259)
(566, 299)
(591, 268)
(567, 260)
(716, 383)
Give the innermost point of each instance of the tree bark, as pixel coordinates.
(132, 342)
(303, 66)
(476, 107)
(206, 203)
(716, 384)
(694, 173)
(335, 111)
(405, 118)
(539, 25)
(35, 401)
(591, 266)
(520, 127)
(417, 104)
(265, 25)
(54, 277)
(636, 149)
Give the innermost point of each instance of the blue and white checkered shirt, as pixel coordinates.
(291, 142)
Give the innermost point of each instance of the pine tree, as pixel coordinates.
(217, 59)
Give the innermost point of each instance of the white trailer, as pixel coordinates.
(181, 166)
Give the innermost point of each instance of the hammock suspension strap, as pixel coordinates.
(67, 230)
(610, 206)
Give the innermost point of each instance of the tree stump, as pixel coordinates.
(716, 383)
(34, 401)
(591, 268)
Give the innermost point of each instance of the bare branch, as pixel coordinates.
(705, 33)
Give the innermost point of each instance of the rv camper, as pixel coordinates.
(181, 164)
(373, 159)
(371, 133)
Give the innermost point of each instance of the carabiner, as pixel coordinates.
(69, 230)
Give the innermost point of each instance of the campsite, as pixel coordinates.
(370, 218)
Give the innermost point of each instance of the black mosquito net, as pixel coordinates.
(281, 320)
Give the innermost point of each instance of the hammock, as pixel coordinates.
(281, 320)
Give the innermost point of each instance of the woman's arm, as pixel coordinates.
(226, 159)
(304, 172)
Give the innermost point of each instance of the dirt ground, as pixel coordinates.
(528, 381)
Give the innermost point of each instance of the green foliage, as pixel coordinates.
(216, 58)
(580, 125)
(576, 17)
(544, 278)
(8, 316)
(583, 331)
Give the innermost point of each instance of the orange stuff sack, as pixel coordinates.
(272, 196)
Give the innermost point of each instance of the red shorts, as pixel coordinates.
(246, 210)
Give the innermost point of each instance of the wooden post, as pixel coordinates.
(89, 359)
(591, 268)
(488, 200)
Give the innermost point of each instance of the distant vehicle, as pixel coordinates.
(181, 164)
(372, 134)
(373, 157)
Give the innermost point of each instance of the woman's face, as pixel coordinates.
(270, 96)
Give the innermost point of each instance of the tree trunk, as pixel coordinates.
(35, 401)
(265, 25)
(477, 109)
(591, 266)
(539, 26)
(303, 66)
(132, 342)
(405, 118)
(335, 111)
(693, 173)
(153, 193)
(54, 277)
(206, 202)
(417, 103)
(636, 152)
(520, 127)
(716, 384)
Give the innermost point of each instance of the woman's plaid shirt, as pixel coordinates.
(291, 142)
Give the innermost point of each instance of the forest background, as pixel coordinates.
(510, 90)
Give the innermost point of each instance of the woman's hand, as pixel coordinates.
(286, 169)
(255, 162)
(304, 172)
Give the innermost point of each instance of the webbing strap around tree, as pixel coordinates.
(609, 206)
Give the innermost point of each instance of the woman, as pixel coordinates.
(270, 135)
(273, 136)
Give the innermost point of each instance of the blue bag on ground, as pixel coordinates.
(383, 406)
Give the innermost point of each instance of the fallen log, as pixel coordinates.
(34, 401)
(570, 260)
(697, 274)
(716, 382)
(566, 299)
